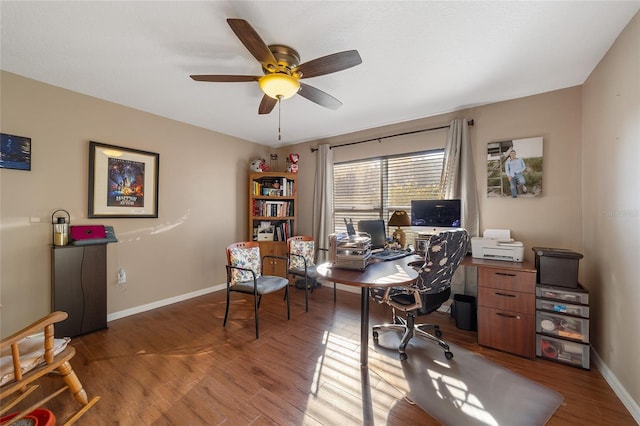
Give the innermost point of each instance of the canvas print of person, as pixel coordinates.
(514, 168)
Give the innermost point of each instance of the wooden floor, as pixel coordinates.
(177, 365)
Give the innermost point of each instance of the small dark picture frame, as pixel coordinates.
(15, 152)
(123, 182)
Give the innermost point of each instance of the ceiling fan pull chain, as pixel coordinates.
(279, 106)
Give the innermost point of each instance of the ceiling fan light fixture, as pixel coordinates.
(279, 85)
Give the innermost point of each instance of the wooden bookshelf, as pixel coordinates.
(273, 214)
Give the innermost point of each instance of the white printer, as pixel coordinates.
(497, 244)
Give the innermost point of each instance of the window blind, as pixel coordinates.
(374, 188)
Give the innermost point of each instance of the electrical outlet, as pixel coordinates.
(122, 276)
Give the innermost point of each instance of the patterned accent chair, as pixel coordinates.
(303, 258)
(244, 275)
(427, 293)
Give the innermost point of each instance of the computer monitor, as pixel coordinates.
(436, 213)
(375, 228)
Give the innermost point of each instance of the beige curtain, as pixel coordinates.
(458, 175)
(323, 196)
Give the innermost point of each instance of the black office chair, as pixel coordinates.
(427, 293)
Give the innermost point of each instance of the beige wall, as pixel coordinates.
(611, 206)
(552, 220)
(202, 200)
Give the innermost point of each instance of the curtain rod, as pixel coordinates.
(470, 123)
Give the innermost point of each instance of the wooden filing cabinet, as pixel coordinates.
(507, 307)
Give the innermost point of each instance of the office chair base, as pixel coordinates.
(412, 330)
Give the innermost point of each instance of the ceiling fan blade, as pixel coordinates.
(318, 96)
(330, 63)
(252, 41)
(266, 104)
(225, 78)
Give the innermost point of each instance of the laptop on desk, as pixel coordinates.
(376, 229)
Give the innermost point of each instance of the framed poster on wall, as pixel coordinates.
(123, 182)
(15, 152)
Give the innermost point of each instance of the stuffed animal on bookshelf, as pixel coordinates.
(292, 163)
(259, 165)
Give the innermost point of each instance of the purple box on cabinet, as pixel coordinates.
(87, 232)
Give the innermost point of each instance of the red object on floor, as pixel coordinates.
(38, 417)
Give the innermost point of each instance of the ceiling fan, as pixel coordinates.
(282, 70)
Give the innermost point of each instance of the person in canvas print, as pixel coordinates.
(514, 167)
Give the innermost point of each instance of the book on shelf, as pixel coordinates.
(277, 231)
(273, 187)
(269, 208)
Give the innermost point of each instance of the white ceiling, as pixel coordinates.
(419, 58)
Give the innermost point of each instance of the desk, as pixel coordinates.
(506, 305)
(378, 274)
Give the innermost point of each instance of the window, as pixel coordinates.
(374, 188)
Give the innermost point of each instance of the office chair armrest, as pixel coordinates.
(416, 264)
(385, 296)
(417, 300)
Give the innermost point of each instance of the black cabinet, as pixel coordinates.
(79, 287)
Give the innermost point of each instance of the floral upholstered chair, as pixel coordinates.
(427, 293)
(303, 257)
(244, 275)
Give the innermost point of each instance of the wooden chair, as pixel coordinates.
(23, 383)
(303, 258)
(244, 274)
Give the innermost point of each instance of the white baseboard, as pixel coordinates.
(164, 302)
(160, 303)
(617, 387)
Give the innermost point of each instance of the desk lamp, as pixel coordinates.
(400, 218)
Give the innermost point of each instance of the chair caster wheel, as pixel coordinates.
(438, 333)
(375, 336)
(403, 356)
(448, 355)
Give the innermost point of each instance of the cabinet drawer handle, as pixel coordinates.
(505, 294)
(505, 274)
(507, 315)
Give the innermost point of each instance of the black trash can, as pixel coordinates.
(464, 307)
